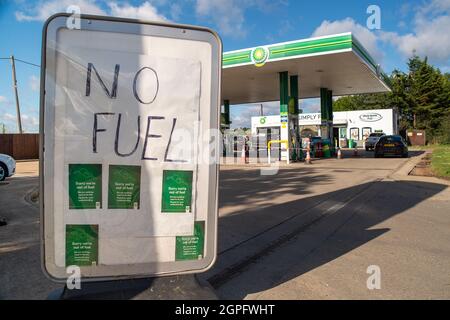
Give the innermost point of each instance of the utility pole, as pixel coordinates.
(19, 121)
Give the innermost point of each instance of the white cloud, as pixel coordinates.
(7, 120)
(228, 15)
(367, 38)
(311, 105)
(175, 11)
(44, 9)
(3, 99)
(9, 117)
(241, 114)
(430, 36)
(145, 11)
(30, 121)
(34, 83)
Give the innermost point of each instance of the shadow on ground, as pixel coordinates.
(253, 198)
(349, 153)
(374, 203)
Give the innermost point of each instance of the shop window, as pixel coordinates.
(354, 133)
(366, 132)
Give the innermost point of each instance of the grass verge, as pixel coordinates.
(440, 161)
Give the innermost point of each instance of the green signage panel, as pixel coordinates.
(124, 187)
(81, 245)
(176, 191)
(191, 247)
(85, 186)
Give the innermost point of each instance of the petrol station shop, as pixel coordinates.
(355, 125)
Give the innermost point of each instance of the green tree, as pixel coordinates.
(362, 102)
(429, 95)
(422, 97)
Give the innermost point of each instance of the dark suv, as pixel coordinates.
(372, 140)
(391, 146)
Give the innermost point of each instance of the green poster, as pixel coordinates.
(81, 245)
(176, 191)
(191, 247)
(124, 187)
(85, 186)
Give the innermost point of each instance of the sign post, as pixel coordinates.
(129, 168)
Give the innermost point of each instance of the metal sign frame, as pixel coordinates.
(134, 27)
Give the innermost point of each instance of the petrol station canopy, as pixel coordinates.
(337, 62)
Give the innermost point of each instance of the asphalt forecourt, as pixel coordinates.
(256, 209)
(301, 207)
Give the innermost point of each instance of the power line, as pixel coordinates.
(31, 64)
(23, 61)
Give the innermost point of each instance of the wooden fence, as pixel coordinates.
(20, 146)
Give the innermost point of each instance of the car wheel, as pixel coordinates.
(3, 172)
(405, 155)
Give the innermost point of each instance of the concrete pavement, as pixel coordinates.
(20, 263)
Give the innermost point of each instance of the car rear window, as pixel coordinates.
(377, 134)
(391, 138)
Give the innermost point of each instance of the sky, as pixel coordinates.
(406, 27)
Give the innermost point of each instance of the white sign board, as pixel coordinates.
(128, 111)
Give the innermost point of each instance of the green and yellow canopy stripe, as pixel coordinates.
(292, 49)
(237, 57)
(308, 47)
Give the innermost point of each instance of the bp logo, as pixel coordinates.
(259, 56)
(262, 120)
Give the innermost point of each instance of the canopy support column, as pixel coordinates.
(326, 110)
(225, 118)
(227, 145)
(284, 114)
(295, 140)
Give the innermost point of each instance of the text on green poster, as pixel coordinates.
(85, 186)
(124, 187)
(176, 191)
(81, 245)
(191, 247)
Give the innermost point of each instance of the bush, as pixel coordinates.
(442, 133)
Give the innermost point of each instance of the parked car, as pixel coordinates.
(372, 140)
(391, 146)
(7, 166)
